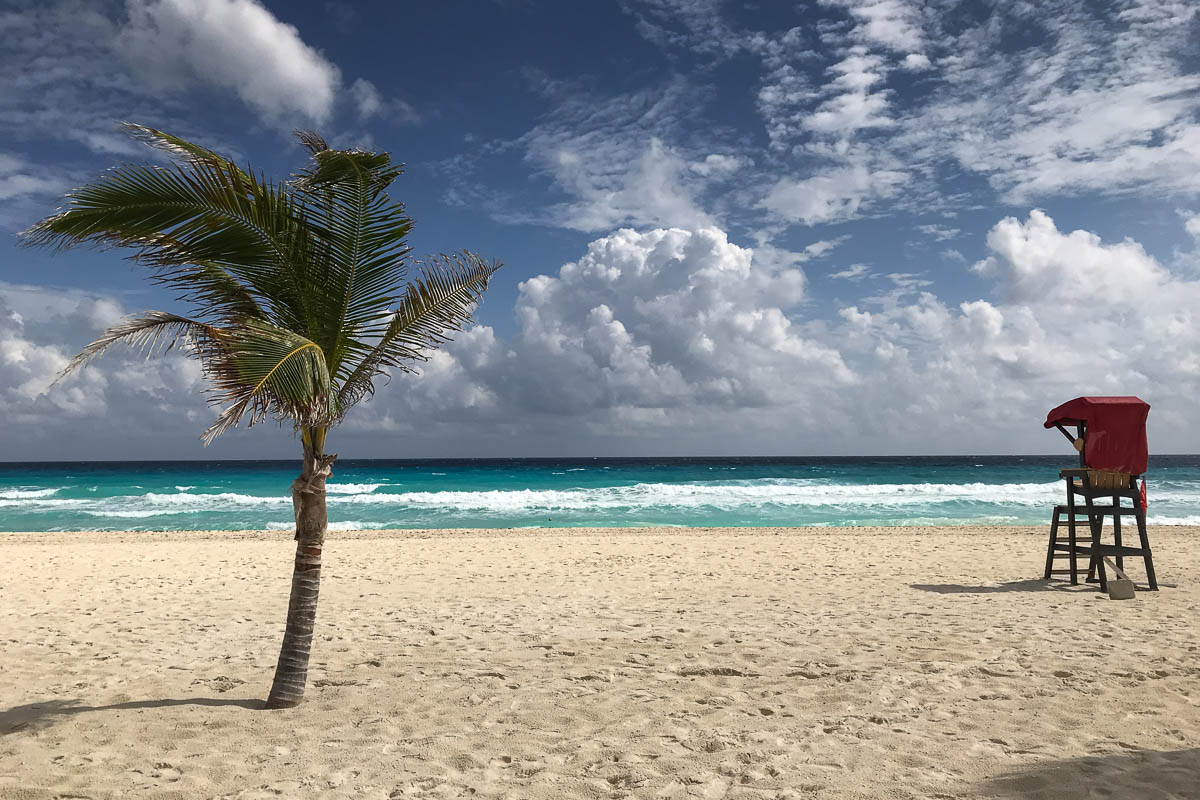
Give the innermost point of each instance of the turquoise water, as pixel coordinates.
(506, 493)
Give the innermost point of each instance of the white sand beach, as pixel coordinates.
(652, 663)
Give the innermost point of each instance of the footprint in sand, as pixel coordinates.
(166, 772)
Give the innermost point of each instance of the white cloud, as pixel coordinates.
(855, 105)
(237, 45)
(694, 24)
(682, 341)
(1041, 265)
(892, 23)
(685, 338)
(718, 165)
(668, 318)
(1191, 224)
(609, 157)
(18, 178)
(366, 97)
(855, 272)
(651, 191)
(40, 329)
(1104, 108)
(832, 195)
(939, 233)
(1072, 315)
(916, 62)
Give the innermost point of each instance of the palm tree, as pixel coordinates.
(301, 297)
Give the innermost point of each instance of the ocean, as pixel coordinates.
(568, 492)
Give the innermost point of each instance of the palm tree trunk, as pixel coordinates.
(312, 522)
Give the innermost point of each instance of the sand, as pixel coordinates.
(654, 663)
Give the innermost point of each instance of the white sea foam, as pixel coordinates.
(721, 495)
(350, 525)
(140, 513)
(1171, 503)
(25, 494)
(352, 488)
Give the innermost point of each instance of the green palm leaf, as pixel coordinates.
(439, 301)
(268, 370)
(152, 332)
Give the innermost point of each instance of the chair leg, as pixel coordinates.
(1145, 539)
(1053, 541)
(1116, 501)
(1071, 538)
(1096, 565)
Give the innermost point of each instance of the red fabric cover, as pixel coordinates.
(1116, 431)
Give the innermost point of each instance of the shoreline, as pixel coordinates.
(570, 531)
(571, 663)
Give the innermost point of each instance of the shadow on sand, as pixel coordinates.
(1141, 774)
(32, 716)
(1037, 585)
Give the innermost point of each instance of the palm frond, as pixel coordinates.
(179, 148)
(311, 141)
(365, 233)
(300, 288)
(265, 370)
(437, 303)
(151, 332)
(189, 223)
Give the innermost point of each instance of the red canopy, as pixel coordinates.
(1115, 436)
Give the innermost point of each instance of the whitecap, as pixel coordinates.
(26, 494)
(352, 488)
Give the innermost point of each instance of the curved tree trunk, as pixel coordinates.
(308, 503)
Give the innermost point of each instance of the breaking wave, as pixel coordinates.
(26, 494)
(352, 488)
(721, 495)
(591, 496)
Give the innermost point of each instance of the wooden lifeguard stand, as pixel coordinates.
(1110, 435)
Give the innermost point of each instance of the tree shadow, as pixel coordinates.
(33, 716)
(1144, 774)
(1038, 585)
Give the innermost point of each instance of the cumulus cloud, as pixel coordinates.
(232, 44)
(668, 318)
(669, 340)
(685, 336)
(121, 400)
(1072, 315)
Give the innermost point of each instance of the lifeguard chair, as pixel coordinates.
(1110, 435)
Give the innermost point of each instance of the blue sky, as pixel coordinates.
(849, 226)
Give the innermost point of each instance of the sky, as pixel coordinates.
(844, 227)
